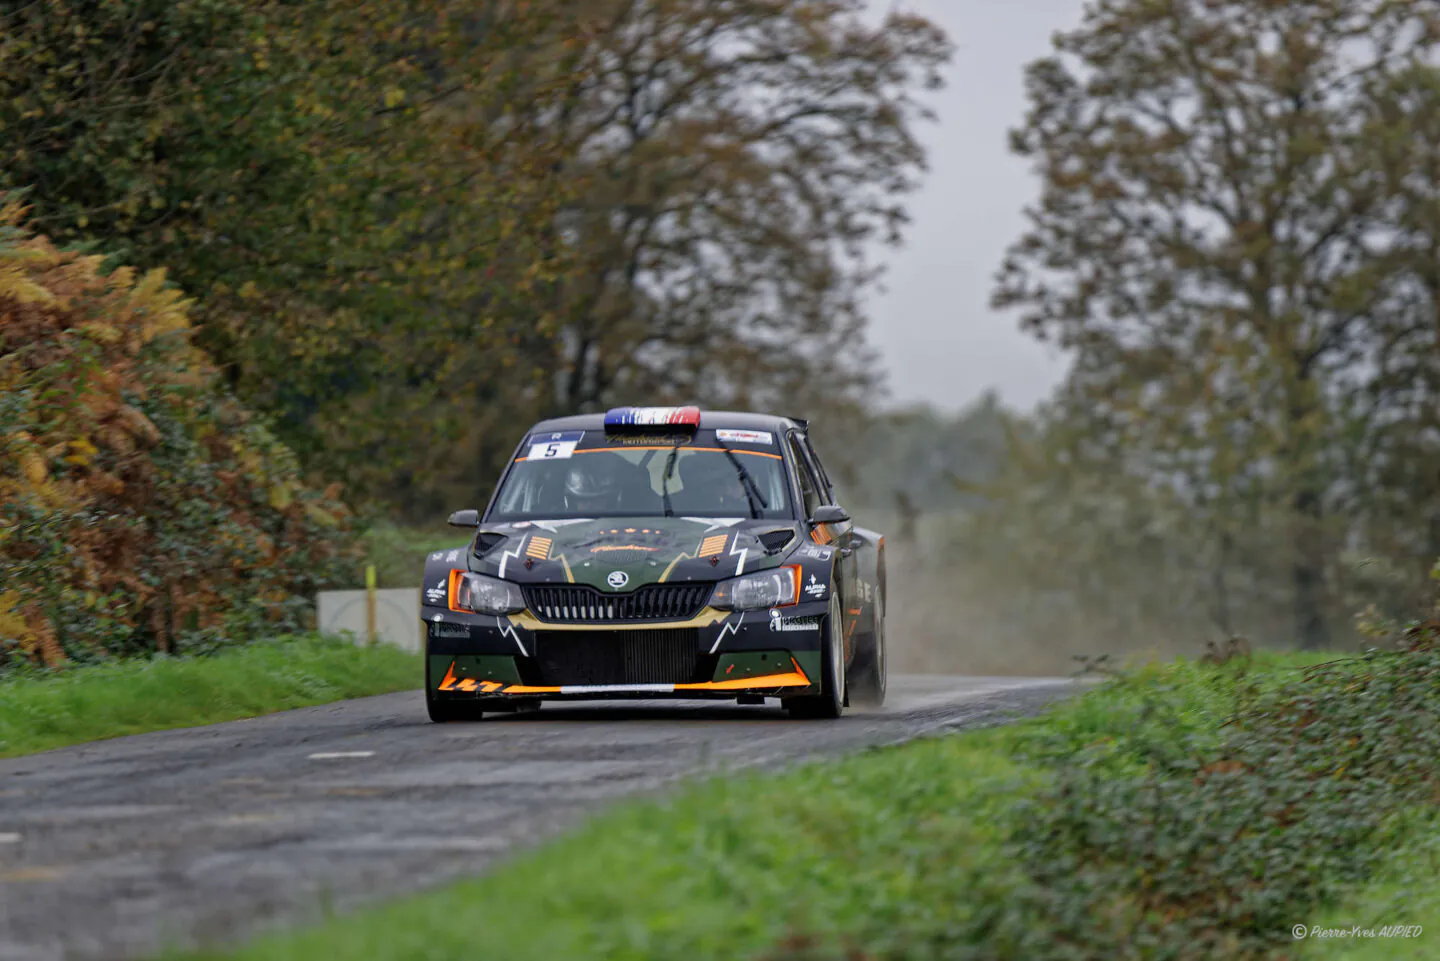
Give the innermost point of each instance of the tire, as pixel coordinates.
(830, 702)
(444, 710)
(871, 675)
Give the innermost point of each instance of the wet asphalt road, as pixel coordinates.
(205, 835)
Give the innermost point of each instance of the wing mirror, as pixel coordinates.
(465, 519)
(829, 514)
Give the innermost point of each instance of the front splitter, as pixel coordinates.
(767, 684)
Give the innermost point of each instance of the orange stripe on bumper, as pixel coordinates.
(745, 683)
(795, 678)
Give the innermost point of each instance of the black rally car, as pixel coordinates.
(658, 552)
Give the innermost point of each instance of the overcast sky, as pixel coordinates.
(940, 340)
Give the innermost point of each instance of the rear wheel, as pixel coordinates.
(870, 674)
(830, 702)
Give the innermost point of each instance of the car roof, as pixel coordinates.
(709, 420)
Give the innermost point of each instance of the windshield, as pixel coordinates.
(618, 477)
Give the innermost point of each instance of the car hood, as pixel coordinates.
(619, 554)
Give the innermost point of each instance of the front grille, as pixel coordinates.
(617, 657)
(574, 604)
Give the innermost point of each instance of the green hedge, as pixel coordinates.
(141, 508)
(41, 710)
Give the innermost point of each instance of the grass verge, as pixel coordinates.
(1179, 811)
(907, 853)
(39, 712)
(1367, 923)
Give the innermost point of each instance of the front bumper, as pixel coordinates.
(716, 654)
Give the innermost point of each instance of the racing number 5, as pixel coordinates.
(552, 449)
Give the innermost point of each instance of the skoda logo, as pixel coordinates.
(617, 579)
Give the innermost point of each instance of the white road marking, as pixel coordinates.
(9, 839)
(333, 755)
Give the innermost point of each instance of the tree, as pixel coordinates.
(141, 508)
(1212, 243)
(346, 185)
(737, 158)
(411, 225)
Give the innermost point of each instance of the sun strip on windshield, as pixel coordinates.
(712, 450)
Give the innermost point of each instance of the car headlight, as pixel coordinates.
(777, 588)
(480, 594)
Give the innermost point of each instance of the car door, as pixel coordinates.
(816, 490)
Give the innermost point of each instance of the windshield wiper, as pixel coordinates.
(665, 480)
(756, 499)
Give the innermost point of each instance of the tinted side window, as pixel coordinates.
(809, 488)
(827, 490)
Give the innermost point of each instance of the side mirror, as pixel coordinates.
(829, 514)
(465, 519)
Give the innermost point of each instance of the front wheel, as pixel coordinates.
(443, 712)
(830, 702)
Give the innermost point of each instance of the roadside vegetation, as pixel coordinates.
(1185, 810)
(142, 509)
(398, 553)
(41, 710)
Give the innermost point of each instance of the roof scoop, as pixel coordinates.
(620, 419)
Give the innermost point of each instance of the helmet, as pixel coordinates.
(590, 486)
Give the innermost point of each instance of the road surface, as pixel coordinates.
(207, 835)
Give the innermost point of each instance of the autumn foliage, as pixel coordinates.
(141, 508)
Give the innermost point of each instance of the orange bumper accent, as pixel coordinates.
(795, 678)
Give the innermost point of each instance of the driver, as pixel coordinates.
(601, 484)
(591, 486)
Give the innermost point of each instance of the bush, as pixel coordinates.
(141, 508)
(1186, 841)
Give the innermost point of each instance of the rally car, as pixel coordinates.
(658, 552)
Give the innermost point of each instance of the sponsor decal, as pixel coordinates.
(437, 593)
(449, 630)
(816, 588)
(438, 618)
(813, 552)
(649, 440)
(778, 623)
(617, 579)
(558, 446)
(452, 557)
(437, 555)
(746, 437)
(866, 591)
